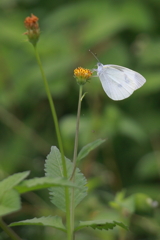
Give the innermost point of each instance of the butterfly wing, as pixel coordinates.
(119, 82)
(138, 78)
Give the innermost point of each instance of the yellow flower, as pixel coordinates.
(82, 75)
(33, 30)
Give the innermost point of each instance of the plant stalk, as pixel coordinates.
(54, 115)
(72, 206)
(9, 231)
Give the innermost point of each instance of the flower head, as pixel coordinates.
(82, 75)
(33, 31)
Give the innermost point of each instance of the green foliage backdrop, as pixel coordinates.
(120, 32)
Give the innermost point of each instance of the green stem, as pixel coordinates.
(77, 132)
(54, 115)
(74, 158)
(9, 231)
(77, 126)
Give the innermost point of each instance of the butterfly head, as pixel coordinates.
(100, 67)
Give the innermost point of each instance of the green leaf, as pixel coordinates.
(9, 202)
(43, 182)
(100, 224)
(9, 198)
(12, 181)
(53, 168)
(51, 221)
(88, 148)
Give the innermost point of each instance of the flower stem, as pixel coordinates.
(54, 115)
(9, 231)
(77, 132)
(72, 206)
(77, 125)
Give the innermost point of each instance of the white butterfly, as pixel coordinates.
(118, 82)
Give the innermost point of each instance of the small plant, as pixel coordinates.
(67, 184)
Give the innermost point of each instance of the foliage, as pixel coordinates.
(101, 225)
(53, 168)
(122, 32)
(50, 221)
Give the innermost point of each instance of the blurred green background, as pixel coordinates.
(123, 32)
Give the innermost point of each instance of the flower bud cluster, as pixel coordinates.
(33, 30)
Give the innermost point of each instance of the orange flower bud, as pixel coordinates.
(33, 30)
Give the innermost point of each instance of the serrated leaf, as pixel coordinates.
(53, 169)
(51, 221)
(100, 224)
(120, 224)
(9, 202)
(43, 182)
(88, 148)
(12, 181)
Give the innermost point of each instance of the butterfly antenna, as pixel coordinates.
(94, 55)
